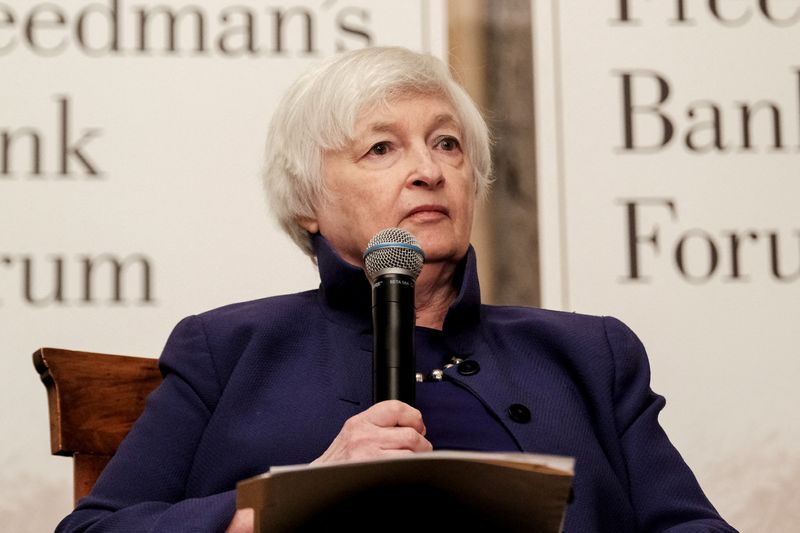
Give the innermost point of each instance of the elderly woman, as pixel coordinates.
(372, 139)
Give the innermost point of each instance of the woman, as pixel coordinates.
(372, 139)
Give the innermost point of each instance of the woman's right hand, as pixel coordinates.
(387, 428)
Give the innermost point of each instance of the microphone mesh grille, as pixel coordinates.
(393, 248)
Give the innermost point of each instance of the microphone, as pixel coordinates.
(393, 260)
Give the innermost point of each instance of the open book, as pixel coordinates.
(440, 490)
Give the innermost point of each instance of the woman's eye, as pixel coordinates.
(381, 148)
(448, 144)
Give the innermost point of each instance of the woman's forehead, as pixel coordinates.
(429, 110)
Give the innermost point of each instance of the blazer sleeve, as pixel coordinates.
(664, 491)
(143, 488)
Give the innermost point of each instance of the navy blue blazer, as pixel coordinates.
(270, 382)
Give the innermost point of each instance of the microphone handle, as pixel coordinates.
(393, 321)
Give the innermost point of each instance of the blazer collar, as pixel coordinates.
(346, 297)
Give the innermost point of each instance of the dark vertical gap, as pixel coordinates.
(512, 203)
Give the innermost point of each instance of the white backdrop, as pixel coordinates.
(669, 183)
(149, 153)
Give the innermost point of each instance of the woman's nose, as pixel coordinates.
(427, 171)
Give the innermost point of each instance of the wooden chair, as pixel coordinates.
(94, 400)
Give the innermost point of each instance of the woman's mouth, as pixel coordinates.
(428, 213)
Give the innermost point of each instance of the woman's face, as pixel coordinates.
(406, 168)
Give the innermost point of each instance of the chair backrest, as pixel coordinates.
(94, 399)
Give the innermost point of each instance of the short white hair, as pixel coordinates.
(319, 113)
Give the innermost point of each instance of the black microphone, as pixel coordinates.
(393, 260)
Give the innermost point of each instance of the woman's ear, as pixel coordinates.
(309, 224)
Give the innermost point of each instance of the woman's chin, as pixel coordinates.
(443, 252)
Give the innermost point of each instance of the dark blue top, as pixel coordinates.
(455, 419)
(270, 382)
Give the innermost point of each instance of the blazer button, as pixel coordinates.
(519, 413)
(468, 367)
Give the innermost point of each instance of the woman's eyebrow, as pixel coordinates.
(445, 119)
(381, 126)
(442, 119)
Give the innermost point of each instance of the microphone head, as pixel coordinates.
(393, 249)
